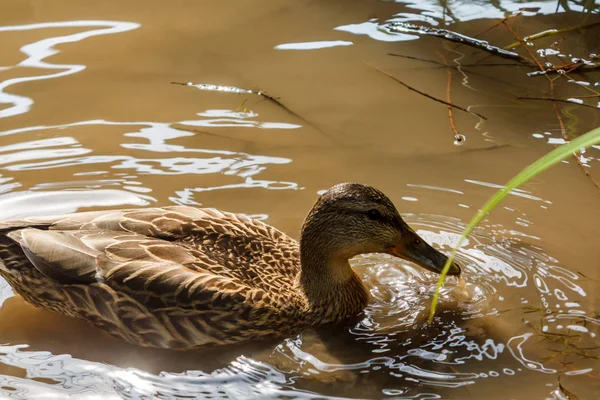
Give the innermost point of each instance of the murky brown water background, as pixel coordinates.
(89, 119)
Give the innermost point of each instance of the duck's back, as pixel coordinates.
(166, 277)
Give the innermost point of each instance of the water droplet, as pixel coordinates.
(560, 71)
(529, 43)
(548, 65)
(459, 139)
(593, 55)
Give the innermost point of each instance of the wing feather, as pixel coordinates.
(59, 255)
(176, 255)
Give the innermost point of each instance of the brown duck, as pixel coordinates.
(182, 277)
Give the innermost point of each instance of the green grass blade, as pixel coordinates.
(550, 159)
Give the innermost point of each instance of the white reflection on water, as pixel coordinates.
(514, 192)
(375, 31)
(228, 118)
(515, 346)
(431, 12)
(471, 10)
(36, 53)
(80, 379)
(313, 45)
(61, 152)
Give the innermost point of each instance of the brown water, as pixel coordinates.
(89, 119)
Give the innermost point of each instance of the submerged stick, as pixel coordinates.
(455, 66)
(557, 100)
(554, 157)
(427, 95)
(456, 37)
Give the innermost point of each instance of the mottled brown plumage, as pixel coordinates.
(181, 277)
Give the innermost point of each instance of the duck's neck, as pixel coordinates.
(333, 290)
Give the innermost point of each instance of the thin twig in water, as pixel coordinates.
(204, 132)
(425, 94)
(458, 138)
(498, 23)
(563, 129)
(417, 58)
(590, 96)
(563, 132)
(457, 66)
(526, 47)
(566, 76)
(557, 100)
(271, 99)
(587, 277)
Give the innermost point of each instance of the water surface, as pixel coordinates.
(89, 119)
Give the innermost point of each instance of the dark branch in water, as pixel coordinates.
(558, 100)
(425, 94)
(418, 59)
(205, 132)
(456, 37)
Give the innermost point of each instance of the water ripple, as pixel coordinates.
(38, 51)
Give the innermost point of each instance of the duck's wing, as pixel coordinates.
(155, 272)
(144, 253)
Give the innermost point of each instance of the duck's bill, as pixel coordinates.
(415, 249)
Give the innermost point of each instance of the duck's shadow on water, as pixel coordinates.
(41, 330)
(314, 359)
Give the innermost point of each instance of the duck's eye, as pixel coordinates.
(374, 214)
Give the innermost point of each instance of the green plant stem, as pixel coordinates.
(554, 157)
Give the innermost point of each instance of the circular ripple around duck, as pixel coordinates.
(511, 283)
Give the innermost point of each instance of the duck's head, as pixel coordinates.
(351, 219)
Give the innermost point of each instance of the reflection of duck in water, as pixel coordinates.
(180, 277)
